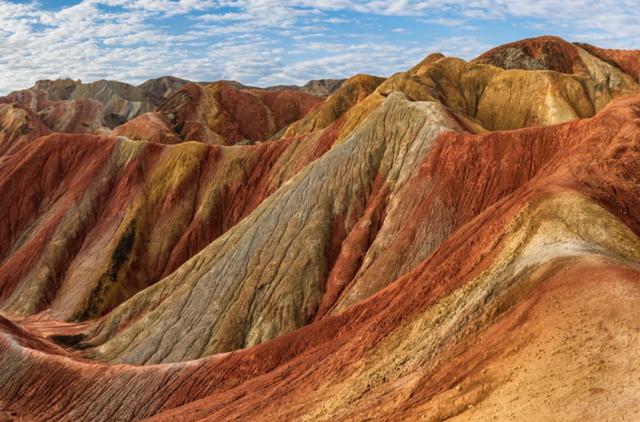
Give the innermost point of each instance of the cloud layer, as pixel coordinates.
(266, 42)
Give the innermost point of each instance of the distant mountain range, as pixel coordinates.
(121, 101)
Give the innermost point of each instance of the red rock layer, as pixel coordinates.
(547, 52)
(121, 214)
(435, 342)
(152, 127)
(222, 114)
(82, 115)
(385, 265)
(18, 127)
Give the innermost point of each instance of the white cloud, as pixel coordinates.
(274, 41)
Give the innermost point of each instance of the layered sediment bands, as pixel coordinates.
(351, 92)
(152, 127)
(18, 127)
(485, 97)
(605, 74)
(162, 87)
(82, 115)
(553, 53)
(266, 275)
(377, 247)
(626, 60)
(541, 53)
(99, 218)
(222, 114)
(461, 176)
(120, 101)
(443, 341)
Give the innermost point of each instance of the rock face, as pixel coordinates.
(120, 101)
(18, 127)
(82, 115)
(222, 114)
(152, 127)
(458, 241)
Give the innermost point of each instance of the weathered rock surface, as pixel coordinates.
(163, 87)
(459, 241)
(120, 101)
(18, 127)
(82, 115)
(222, 114)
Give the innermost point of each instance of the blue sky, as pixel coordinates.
(267, 42)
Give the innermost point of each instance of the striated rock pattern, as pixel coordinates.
(163, 87)
(459, 241)
(121, 101)
(113, 216)
(222, 114)
(18, 127)
(316, 87)
(82, 115)
(152, 127)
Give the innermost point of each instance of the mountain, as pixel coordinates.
(121, 101)
(316, 87)
(457, 241)
(163, 87)
(81, 115)
(222, 114)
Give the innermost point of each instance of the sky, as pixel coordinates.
(270, 42)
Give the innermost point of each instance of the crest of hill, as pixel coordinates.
(222, 114)
(317, 87)
(162, 87)
(532, 82)
(627, 60)
(80, 115)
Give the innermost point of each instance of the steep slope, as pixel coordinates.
(18, 127)
(120, 101)
(351, 92)
(224, 115)
(163, 87)
(113, 216)
(80, 115)
(246, 301)
(489, 326)
(626, 60)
